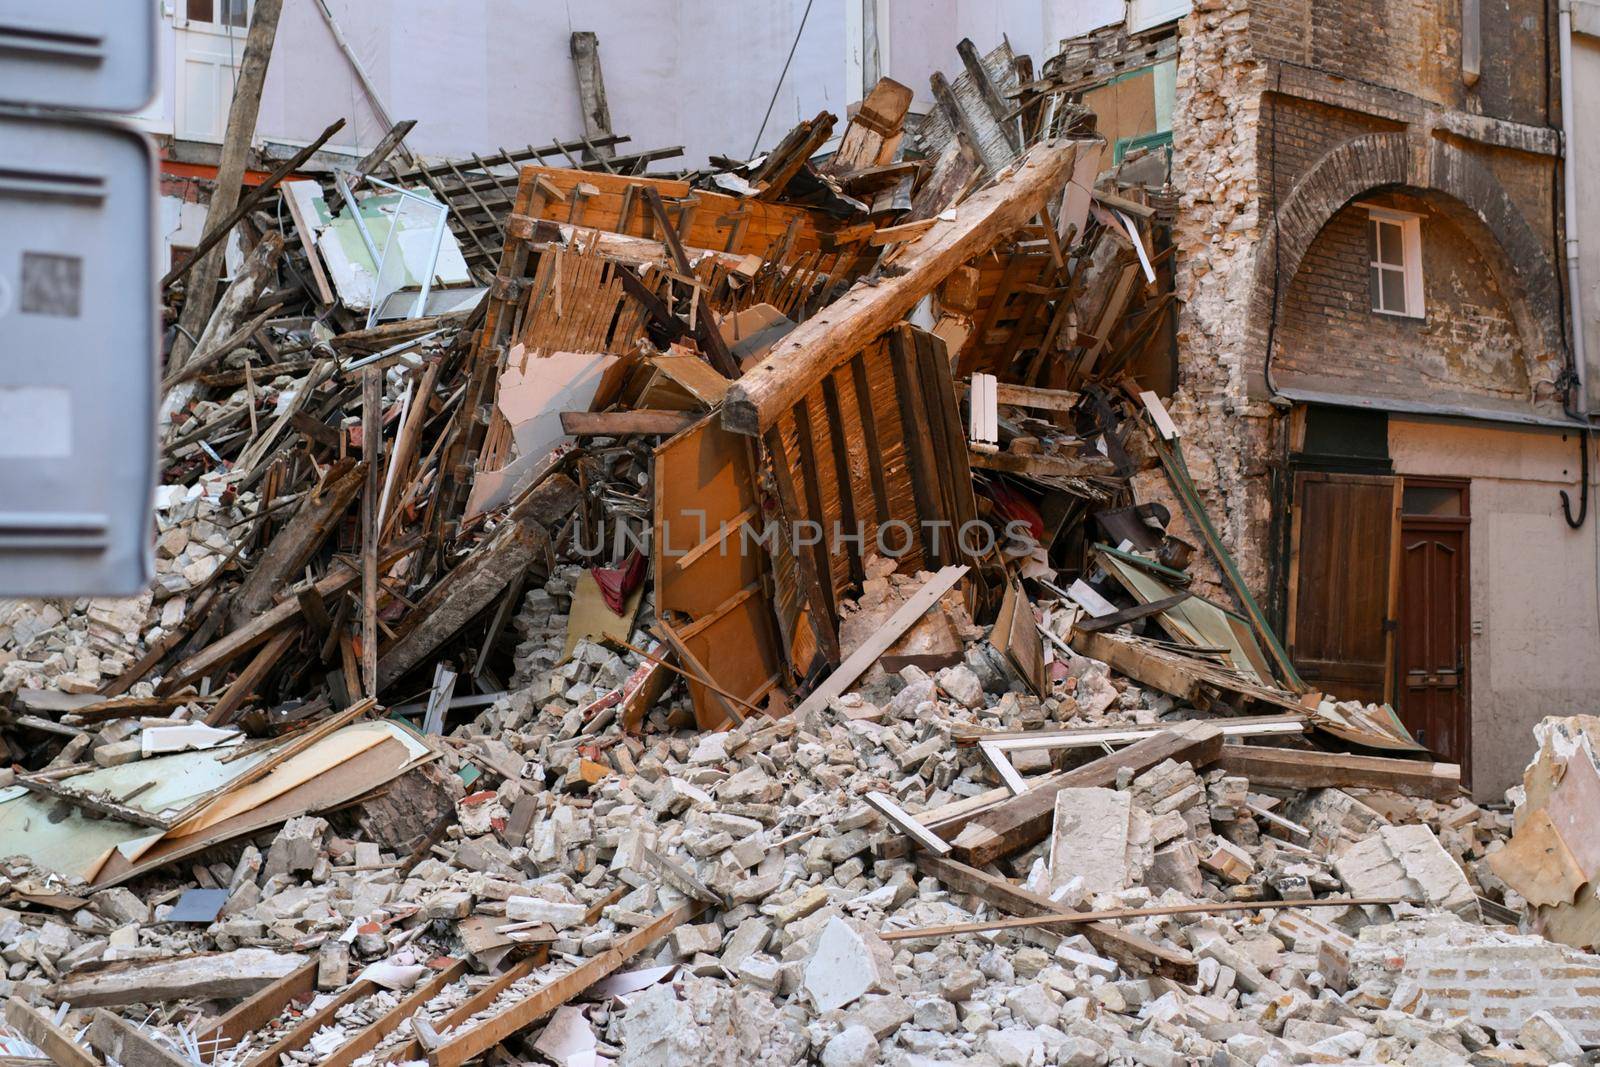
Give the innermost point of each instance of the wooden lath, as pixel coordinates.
(704, 220)
(480, 193)
(1014, 290)
(576, 303)
(875, 450)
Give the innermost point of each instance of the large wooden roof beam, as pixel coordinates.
(840, 330)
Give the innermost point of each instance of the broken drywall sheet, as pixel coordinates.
(534, 391)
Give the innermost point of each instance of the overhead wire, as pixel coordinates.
(781, 75)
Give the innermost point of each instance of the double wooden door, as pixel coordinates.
(1378, 607)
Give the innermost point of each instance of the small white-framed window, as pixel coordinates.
(224, 13)
(1394, 243)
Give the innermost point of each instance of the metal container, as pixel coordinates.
(78, 375)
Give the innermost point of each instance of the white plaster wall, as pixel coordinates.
(1586, 164)
(1535, 645)
(481, 74)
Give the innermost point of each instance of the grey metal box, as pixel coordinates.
(77, 356)
(93, 55)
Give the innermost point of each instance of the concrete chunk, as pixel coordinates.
(1407, 861)
(1091, 839)
(844, 967)
(539, 910)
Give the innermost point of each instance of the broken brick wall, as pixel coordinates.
(1215, 136)
(1414, 48)
(1287, 112)
(1466, 350)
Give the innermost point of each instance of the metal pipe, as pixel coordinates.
(362, 76)
(1569, 183)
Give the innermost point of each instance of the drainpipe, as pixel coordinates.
(1569, 183)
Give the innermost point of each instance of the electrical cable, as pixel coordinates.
(781, 75)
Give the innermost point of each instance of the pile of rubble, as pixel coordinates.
(499, 696)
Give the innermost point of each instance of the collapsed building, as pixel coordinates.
(822, 607)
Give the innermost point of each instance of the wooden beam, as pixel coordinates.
(547, 998)
(907, 824)
(372, 456)
(242, 111)
(859, 661)
(459, 595)
(56, 1042)
(621, 423)
(255, 672)
(1285, 768)
(1142, 665)
(314, 521)
(484, 997)
(585, 48)
(372, 161)
(825, 341)
(1134, 952)
(1040, 465)
(217, 232)
(1059, 918)
(254, 1012)
(1096, 736)
(1133, 614)
(310, 1023)
(261, 628)
(374, 1032)
(117, 1039)
(202, 975)
(1027, 819)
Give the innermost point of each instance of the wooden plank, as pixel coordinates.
(243, 687)
(989, 93)
(303, 1031)
(1140, 664)
(907, 824)
(119, 1040)
(93, 802)
(1027, 819)
(620, 423)
(547, 998)
(372, 455)
(247, 202)
(373, 1033)
(56, 1042)
(484, 997)
(585, 50)
(1138, 611)
(1035, 397)
(1134, 952)
(201, 975)
(1061, 918)
(818, 345)
(261, 628)
(1095, 736)
(1041, 466)
(257, 1011)
(857, 663)
(458, 596)
(1283, 768)
(243, 109)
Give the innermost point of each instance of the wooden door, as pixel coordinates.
(1433, 635)
(1342, 544)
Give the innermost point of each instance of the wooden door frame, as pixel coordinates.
(1463, 523)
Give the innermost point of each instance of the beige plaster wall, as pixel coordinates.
(1535, 644)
